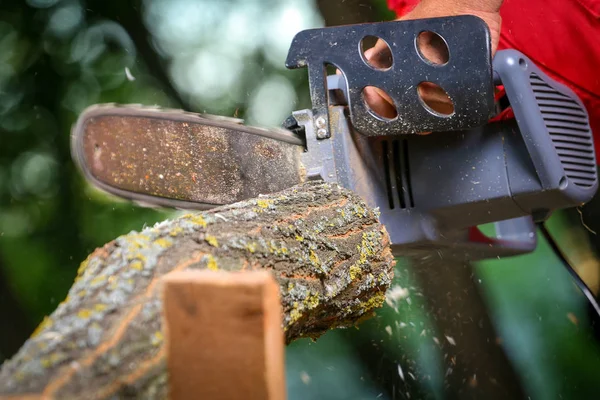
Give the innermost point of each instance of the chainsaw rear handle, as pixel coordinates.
(554, 126)
(555, 129)
(434, 190)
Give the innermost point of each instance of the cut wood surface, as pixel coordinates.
(324, 246)
(223, 336)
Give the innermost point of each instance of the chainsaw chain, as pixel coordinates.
(276, 133)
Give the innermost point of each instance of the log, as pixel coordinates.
(324, 246)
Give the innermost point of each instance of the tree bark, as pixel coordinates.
(323, 244)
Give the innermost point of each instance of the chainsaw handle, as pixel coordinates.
(466, 76)
(554, 127)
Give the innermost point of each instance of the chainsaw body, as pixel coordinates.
(432, 190)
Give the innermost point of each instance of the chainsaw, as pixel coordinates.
(433, 191)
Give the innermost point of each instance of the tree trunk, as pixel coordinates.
(325, 247)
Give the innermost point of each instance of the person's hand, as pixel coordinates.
(433, 49)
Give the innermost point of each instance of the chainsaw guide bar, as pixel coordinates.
(179, 159)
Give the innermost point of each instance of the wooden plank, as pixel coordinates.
(224, 336)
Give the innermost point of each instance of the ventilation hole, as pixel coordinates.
(583, 158)
(562, 112)
(406, 170)
(386, 169)
(566, 120)
(576, 173)
(376, 52)
(550, 104)
(435, 99)
(565, 134)
(585, 141)
(402, 173)
(398, 170)
(379, 103)
(432, 48)
(544, 90)
(572, 145)
(577, 165)
(547, 99)
(565, 126)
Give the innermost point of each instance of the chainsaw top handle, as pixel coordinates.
(466, 76)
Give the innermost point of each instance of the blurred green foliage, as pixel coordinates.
(57, 58)
(227, 57)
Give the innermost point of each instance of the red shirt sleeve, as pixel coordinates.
(402, 7)
(561, 36)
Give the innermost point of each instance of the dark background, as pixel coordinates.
(226, 57)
